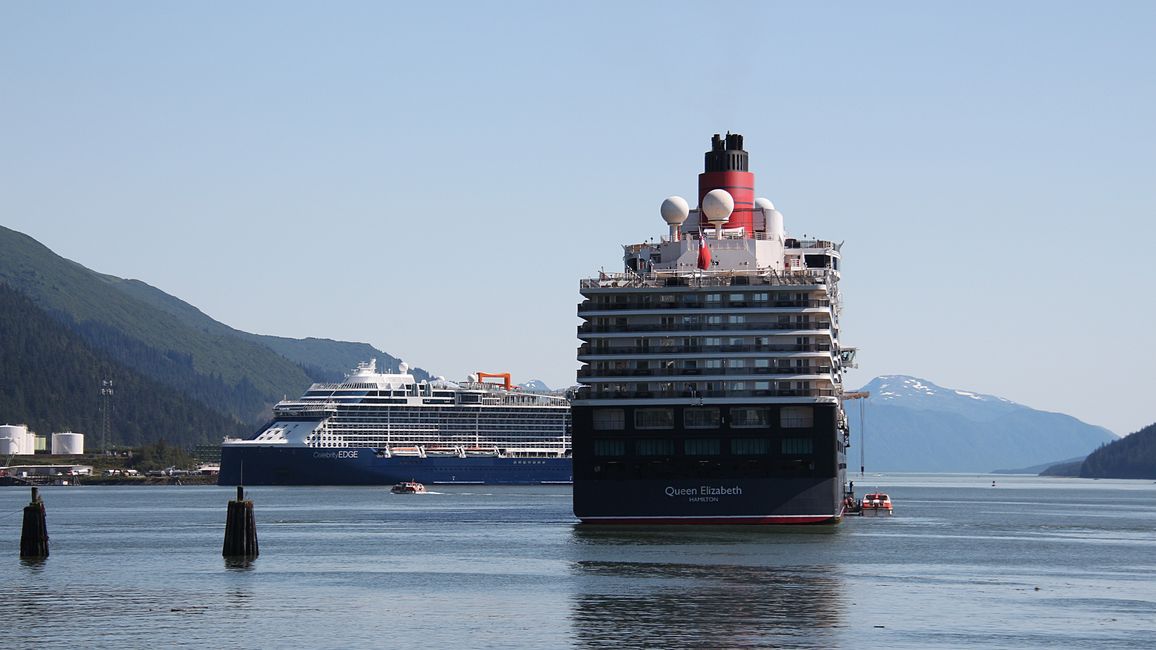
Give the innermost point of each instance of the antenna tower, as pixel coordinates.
(105, 407)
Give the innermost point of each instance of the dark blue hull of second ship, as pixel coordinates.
(263, 465)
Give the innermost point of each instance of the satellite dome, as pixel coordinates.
(717, 205)
(403, 367)
(764, 204)
(675, 210)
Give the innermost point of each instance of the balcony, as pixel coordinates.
(588, 393)
(586, 349)
(640, 328)
(707, 374)
(588, 306)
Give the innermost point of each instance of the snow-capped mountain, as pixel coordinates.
(913, 425)
(535, 386)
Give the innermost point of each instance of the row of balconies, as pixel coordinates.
(587, 349)
(706, 373)
(640, 305)
(587, 392)
(591, 328)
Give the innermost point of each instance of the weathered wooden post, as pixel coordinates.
(240, 528)
(34, 534)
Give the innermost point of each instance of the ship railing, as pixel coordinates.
(590, 328)
(592, 306)
(587, 392)
(706, 279)
(587, 372)
(588, 350)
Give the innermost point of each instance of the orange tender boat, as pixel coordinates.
(876, 503)
(408, 487)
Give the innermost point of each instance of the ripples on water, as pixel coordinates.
(1030, 563)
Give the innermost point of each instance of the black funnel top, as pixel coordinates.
(726, 155)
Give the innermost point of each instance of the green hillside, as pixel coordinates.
(52, 382)
(169, 340)
(323, 359)
(1132, 456)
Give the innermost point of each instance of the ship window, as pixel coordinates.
(701, 446)
(750, 446)
(654, 447)
(818, 261)
(701, 418)
(609, 420)
(798, 446)
(748, 418)
(714, 297)
(609, 447)
(797, 417)
(654, 418)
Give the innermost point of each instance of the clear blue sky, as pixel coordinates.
(434, 178)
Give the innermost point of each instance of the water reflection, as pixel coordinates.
(701, 590)
(240, 564)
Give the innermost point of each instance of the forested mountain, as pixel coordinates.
(322, 359)
(913, 425)
(52, 381)
(1132, 456)
(170, 341)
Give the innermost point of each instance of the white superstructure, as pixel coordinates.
(396, 414)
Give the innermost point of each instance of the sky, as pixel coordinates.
(434, 178)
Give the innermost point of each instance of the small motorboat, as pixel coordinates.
(875, 503)
(408, 487)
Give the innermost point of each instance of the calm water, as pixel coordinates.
(1028, 563)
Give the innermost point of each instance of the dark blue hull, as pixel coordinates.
(266, 465)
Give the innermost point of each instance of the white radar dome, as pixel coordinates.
(403, 367)
(675, 210)
(764, 204)
(718, 205)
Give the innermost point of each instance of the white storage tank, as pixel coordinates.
(16, 439)
(67, 444)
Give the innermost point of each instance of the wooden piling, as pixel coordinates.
(240, 528)
(34, 534)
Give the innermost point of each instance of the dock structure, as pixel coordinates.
(240, 529)
(34, 533)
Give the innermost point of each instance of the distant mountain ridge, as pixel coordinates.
(162, 337)
(914, 425)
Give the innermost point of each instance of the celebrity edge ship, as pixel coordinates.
(384, 428)
(711, 369)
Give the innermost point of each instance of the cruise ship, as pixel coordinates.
(711, 370)
(378, 428)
